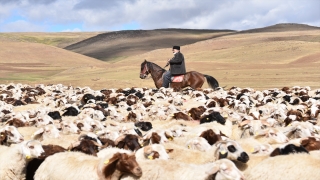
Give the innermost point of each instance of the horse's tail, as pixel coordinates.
(212, 82)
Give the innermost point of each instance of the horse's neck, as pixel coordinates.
(156, 75)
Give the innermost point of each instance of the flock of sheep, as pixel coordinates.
(53, 132)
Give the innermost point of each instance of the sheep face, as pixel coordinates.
(275, 136)
(69, 127)
(84, 126)
(262, 149)
(122, 162)
(51, 131)
(11, 134)
(155, 151)
(32, 149)
(231, 150)
(210, 136)
(214, 116)
(144, 126)
(198, 143)
(129, 141)
(226, 170)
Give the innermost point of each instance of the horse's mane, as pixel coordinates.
(154, 67)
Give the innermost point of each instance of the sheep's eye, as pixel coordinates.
(31, 147)
(231, 148)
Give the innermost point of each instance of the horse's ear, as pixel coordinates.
(145, 60)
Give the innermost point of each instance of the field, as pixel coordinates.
(257, 59)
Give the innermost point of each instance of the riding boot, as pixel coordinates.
(166, 79)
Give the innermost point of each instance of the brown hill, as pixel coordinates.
(282, 27)
(121, 44)
(24, 61)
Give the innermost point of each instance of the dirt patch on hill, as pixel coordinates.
(313, 58)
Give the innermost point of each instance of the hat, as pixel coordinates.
(176, 47)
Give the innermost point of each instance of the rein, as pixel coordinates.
(145, 69)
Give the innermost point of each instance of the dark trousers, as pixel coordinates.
(166, 79)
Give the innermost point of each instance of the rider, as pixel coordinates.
(177, 66)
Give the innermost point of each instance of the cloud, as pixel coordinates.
(98, 15)
(72, 30)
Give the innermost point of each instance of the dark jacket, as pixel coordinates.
(177, 65)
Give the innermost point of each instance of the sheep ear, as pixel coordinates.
(204, 134)
(304, 142)
(111, 165)
(169, 150)
(38, 133)
(214, 169)
(121, 145)
(244, 123)
(275, 152)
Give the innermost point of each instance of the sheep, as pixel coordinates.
(48, 131)
(168, 169)
(288, 149)
(144, 126)
(128, 141)
(311, 143)
(75, 165)
(16, 123)
(271, 136)
(34, 164)
(86, 146)
(106, 133)
(214, 116)
(14, 160)
(10, 135)
(210, 136)
(201, 152)
(69, 127)
(292, 166)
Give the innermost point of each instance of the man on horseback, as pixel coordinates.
(177, 66)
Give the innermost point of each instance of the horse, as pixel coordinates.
(193, 79)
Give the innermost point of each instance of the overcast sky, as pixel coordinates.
(106, 15)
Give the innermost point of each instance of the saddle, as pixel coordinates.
(177, 78)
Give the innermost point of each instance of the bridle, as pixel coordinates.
(145, 70)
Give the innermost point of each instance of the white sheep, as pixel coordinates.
(76, 165)
(223, 169)
(14, 159)
(292, 166)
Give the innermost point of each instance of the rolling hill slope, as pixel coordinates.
(113, 46)
(25, 61)
(58, 39)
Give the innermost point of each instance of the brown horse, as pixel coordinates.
(193, 79)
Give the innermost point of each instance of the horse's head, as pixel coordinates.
(144, 69)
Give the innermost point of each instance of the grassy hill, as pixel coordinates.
(258, 60)
(283, 27)
(114, 46)
(58, 39)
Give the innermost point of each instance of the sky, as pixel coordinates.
(114, 15)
